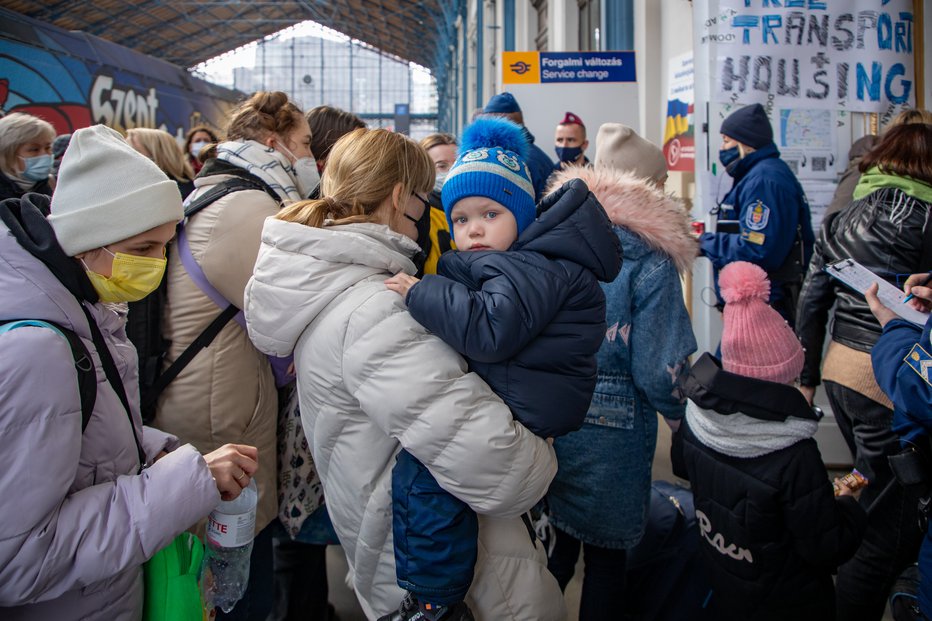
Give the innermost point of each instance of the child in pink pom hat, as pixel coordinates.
(756, 340)
(771, 529)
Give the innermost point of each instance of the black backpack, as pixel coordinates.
(144, 322)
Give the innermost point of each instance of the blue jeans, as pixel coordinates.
(892, 539)
(604, 581)
(435, 535)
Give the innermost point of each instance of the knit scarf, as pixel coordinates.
(739, 435)
(263, 162)
(874, 179)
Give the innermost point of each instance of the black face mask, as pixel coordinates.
(423, 238)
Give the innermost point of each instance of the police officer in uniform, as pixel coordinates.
(767, 206)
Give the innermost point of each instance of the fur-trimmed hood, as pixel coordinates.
(660, 220)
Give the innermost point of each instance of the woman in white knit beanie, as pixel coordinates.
(89, 493)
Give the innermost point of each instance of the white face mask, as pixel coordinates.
(305, 172)
(197, 146)
(439, 179)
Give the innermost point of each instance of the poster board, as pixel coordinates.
(818, 67)
(679, 132)
(598, 87)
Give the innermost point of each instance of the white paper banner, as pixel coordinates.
(839, 54)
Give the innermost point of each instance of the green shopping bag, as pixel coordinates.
(172, 592)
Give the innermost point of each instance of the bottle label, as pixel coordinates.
(231, 531)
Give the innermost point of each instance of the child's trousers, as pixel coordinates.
(435, 535)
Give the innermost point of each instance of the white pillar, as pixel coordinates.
(563, 16)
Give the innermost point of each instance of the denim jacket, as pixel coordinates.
(602, 489)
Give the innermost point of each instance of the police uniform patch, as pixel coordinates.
(919, 361)
(757, 217)
(754, 237)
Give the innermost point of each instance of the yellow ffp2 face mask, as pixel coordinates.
(132, 278)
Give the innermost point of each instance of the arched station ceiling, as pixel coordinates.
(189, 32)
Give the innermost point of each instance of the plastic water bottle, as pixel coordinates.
(231, 527)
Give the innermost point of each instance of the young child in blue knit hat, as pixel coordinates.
(520, 300)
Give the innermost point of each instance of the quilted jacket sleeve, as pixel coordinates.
(52, 538)
(826, 530)
(511, 303)
(417, 390)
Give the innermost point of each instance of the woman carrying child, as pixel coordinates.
(372, 381)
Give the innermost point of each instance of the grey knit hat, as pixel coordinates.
(618, 146)
(108, 192)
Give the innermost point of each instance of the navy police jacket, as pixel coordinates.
(530, 320)
(540, 165)
(769, 204)
(902, 360)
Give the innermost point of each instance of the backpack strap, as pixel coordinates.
(237, 183)
(204, 339)
(87, 375)
(234, 184)
(113, 376)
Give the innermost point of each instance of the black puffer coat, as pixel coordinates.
(771, 531)
(531, 320)
(885, 233)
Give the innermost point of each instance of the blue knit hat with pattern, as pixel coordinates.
(492, 163)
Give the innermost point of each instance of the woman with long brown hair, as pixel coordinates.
(887, 229)
(372, 381)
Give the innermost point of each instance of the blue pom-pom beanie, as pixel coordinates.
(492, 163)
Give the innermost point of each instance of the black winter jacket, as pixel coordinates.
(884, 232)
(771, 531)
(530, 320)
(10, 189)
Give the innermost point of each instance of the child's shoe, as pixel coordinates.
(412, 610)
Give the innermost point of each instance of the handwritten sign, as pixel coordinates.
(852, 54)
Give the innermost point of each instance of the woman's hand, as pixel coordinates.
(883, 314)
(232, 466)
(400, 283)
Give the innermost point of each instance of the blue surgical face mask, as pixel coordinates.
(729, 158)
(568, 154)
(37, 168)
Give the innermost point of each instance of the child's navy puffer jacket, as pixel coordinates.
(531, 320)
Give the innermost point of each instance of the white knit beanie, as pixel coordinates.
(618, 146)
(108, 192)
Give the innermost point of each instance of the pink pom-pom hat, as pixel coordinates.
(756, 340)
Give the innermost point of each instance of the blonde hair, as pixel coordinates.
(16, 130)
(362, 171)
(163, 149)
(437, 140)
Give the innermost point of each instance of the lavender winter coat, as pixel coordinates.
(76, 521)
